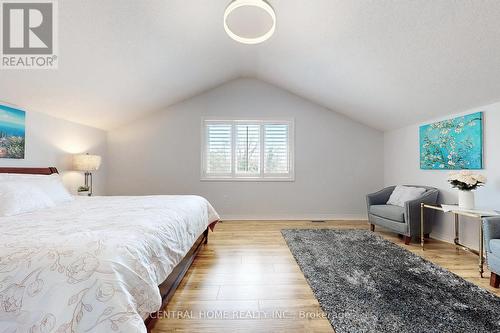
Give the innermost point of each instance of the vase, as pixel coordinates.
(466, 199)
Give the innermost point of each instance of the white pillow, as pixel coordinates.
(52, 185)
(55, 189)
(402, 194)
(21, 197)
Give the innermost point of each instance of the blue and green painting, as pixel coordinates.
(455, 144)
(12, 132)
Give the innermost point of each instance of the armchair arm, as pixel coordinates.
(412, 212)
(429, 198)
(380, 197)
(491, 230)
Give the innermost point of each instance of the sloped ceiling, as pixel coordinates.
(384, 63)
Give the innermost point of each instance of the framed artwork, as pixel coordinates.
(12, 132)
(453, 144)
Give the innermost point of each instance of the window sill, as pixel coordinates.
(219, 179)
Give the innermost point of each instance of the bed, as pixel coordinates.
(97, 264)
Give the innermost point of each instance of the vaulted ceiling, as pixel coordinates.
(385, 63)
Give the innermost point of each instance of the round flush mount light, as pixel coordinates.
(249, 21)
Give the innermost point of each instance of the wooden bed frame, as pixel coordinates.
(167, 288)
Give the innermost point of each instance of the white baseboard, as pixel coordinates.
(296, 217)
(317, 217)
(434, 235)
(442, 238)
(449, 239)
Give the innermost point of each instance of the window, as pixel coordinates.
(247, 150)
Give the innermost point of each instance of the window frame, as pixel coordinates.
(235, 177)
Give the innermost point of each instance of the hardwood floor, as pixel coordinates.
(246, 280)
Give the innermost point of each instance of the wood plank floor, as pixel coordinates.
(246, 280)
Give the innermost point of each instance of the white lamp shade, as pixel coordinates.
(86, 162)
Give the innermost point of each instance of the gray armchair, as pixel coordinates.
(402, 220)
(491, 229)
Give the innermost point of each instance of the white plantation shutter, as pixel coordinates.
(248, 150)
(276, 149)
(219, 149)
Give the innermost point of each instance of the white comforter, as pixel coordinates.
(94, 264)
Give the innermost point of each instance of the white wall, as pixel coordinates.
(337, 160)
(401, 159)
(51, 142)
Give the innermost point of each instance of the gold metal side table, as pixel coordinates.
(457, 212)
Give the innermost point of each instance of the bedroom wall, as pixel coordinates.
(337, 160)
(51, 142)
(402, 167)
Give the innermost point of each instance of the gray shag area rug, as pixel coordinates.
(365, 283)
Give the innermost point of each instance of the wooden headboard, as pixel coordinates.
(30, 171)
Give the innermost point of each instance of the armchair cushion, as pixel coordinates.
(394, 213)
(495, 246)
(403, 194)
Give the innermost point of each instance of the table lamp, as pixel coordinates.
(87, 163)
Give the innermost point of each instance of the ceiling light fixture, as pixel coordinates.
(262, 4)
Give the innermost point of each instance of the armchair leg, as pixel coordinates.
(372, 227)
(494, 280)
(407, 240)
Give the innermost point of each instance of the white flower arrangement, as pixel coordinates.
(466, 180)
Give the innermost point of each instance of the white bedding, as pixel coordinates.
(94, 264)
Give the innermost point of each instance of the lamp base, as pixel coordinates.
(88, 182)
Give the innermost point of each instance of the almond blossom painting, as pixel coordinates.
(454, 144)
(12, 132)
